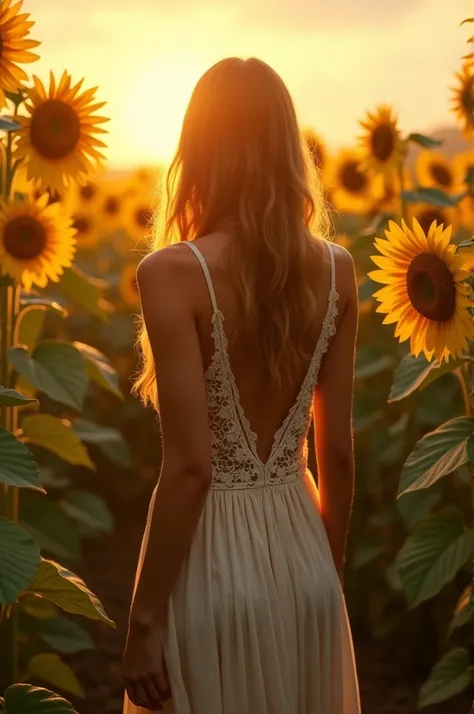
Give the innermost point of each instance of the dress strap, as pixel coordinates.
(206, 272)
(333, 267)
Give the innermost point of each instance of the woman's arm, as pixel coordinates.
(186, 466)
(332, 405)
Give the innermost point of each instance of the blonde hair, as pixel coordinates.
(243, 165)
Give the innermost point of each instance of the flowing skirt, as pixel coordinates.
(257, 622)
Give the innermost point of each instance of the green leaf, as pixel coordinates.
(89, 509)
(38, 607)
(50, 668)
(367, 369)
(432, 197)
(42, 303)
(55, 368)
(65, 635)
(99, 369)
(448, 677)
(437, 454)
(111, 441)
(67, 591)
(367, 552)
(9, 124)
(465, 243)
(31, 327)
(26, 699)
(19, 560)
(57, 436)
(12, 398)
(17, 467)
(86, 292)
(461, 615)
(417, 373)
(415, 505)
(431, 556)
(50, 526)
(424, 141)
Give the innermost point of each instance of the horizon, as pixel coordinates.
(384, 54)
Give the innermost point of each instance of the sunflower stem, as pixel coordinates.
(403, 203)
(463, 378)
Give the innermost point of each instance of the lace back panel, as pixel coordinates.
(235, 460)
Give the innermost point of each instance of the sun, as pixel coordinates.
(155, 105)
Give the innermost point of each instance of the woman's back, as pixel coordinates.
(264, 403)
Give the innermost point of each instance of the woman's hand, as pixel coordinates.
(144, 669)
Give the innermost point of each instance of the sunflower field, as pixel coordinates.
(75, 448)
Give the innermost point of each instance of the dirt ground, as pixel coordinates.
(108, 568)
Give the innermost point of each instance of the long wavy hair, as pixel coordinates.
(243, 166)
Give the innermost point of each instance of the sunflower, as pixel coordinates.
(426, 214)
(111, 205)
(84, 196)
(57, 140)
(349, 187)
(36, 241)
(14, 47)
(317, 148)
(138, 218)
(381, 148)
(463, 99)
(387, 189)
(424, 291)
(129, 286)
(86, 224)
(432, 168)
(466, 212)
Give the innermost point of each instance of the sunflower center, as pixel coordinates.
(112, 205)
(428, 215)
(441, 175)
(467, 96)
(55, 129)
(383, 142)
(81, 224)
(143, 217)
(431, 287)
(24, 238)
(88, 192)
(352, 178)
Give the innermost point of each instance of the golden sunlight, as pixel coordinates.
(156, 103)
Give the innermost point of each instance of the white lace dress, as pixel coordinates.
(257, 622)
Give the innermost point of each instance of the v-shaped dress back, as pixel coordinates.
(257, 622)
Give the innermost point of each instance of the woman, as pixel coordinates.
(250, 320)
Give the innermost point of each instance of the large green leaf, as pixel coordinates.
(57, 436)
(432, 197)
(50, 668)
(86, 292)
(110, 441)
(41, 303)
(415, 505)
(449, 676)
(65, 635)
(19, 560)
(99, 368)
(17, 467)
(437, 454)
(426, 141)
(89, 509)
(431, 556)
(12, 398)
(31, 327)
(417, 373)
(38, 607)
(67, 591)
(461, 615)
(55, 368)
(50, 526)
(26, 699)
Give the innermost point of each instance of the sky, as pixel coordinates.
(337, 57)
